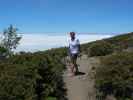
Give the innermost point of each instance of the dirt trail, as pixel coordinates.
(81, 87)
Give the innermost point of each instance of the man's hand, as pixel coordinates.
(79, 55)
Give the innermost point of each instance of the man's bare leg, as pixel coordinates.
(75, 66)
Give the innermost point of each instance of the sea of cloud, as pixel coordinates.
(38, 42)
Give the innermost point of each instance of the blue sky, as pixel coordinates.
(59, 16)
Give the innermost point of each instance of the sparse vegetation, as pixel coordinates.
(119, 43)
(115, 75)
(100, 48)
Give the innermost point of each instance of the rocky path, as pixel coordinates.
(81, 86)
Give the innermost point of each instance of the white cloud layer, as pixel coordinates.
(35, 42)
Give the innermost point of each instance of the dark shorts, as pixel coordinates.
(73, 57)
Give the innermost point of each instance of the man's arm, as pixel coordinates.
(79, 46)
(68, 50)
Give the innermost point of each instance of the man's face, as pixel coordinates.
(72, 35)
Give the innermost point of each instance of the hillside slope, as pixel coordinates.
(82, 86)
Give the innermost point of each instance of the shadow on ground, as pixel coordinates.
(79, 73)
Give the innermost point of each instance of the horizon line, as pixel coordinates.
(79, 33)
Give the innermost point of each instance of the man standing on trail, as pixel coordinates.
(74, 50)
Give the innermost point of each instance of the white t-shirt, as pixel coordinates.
(74, 46)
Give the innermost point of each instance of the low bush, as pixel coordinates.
(3, 52)
(100, 48)
(51, 98)
(119, 42)
(123, 41)
(33, 76)
(115, 75)
(17, 82)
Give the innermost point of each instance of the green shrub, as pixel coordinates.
(123, 41)
(3, 52)
(115, 75)
(119, 43)
(51, 98)
(17, 82)
(100, 48)
(33, 76)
